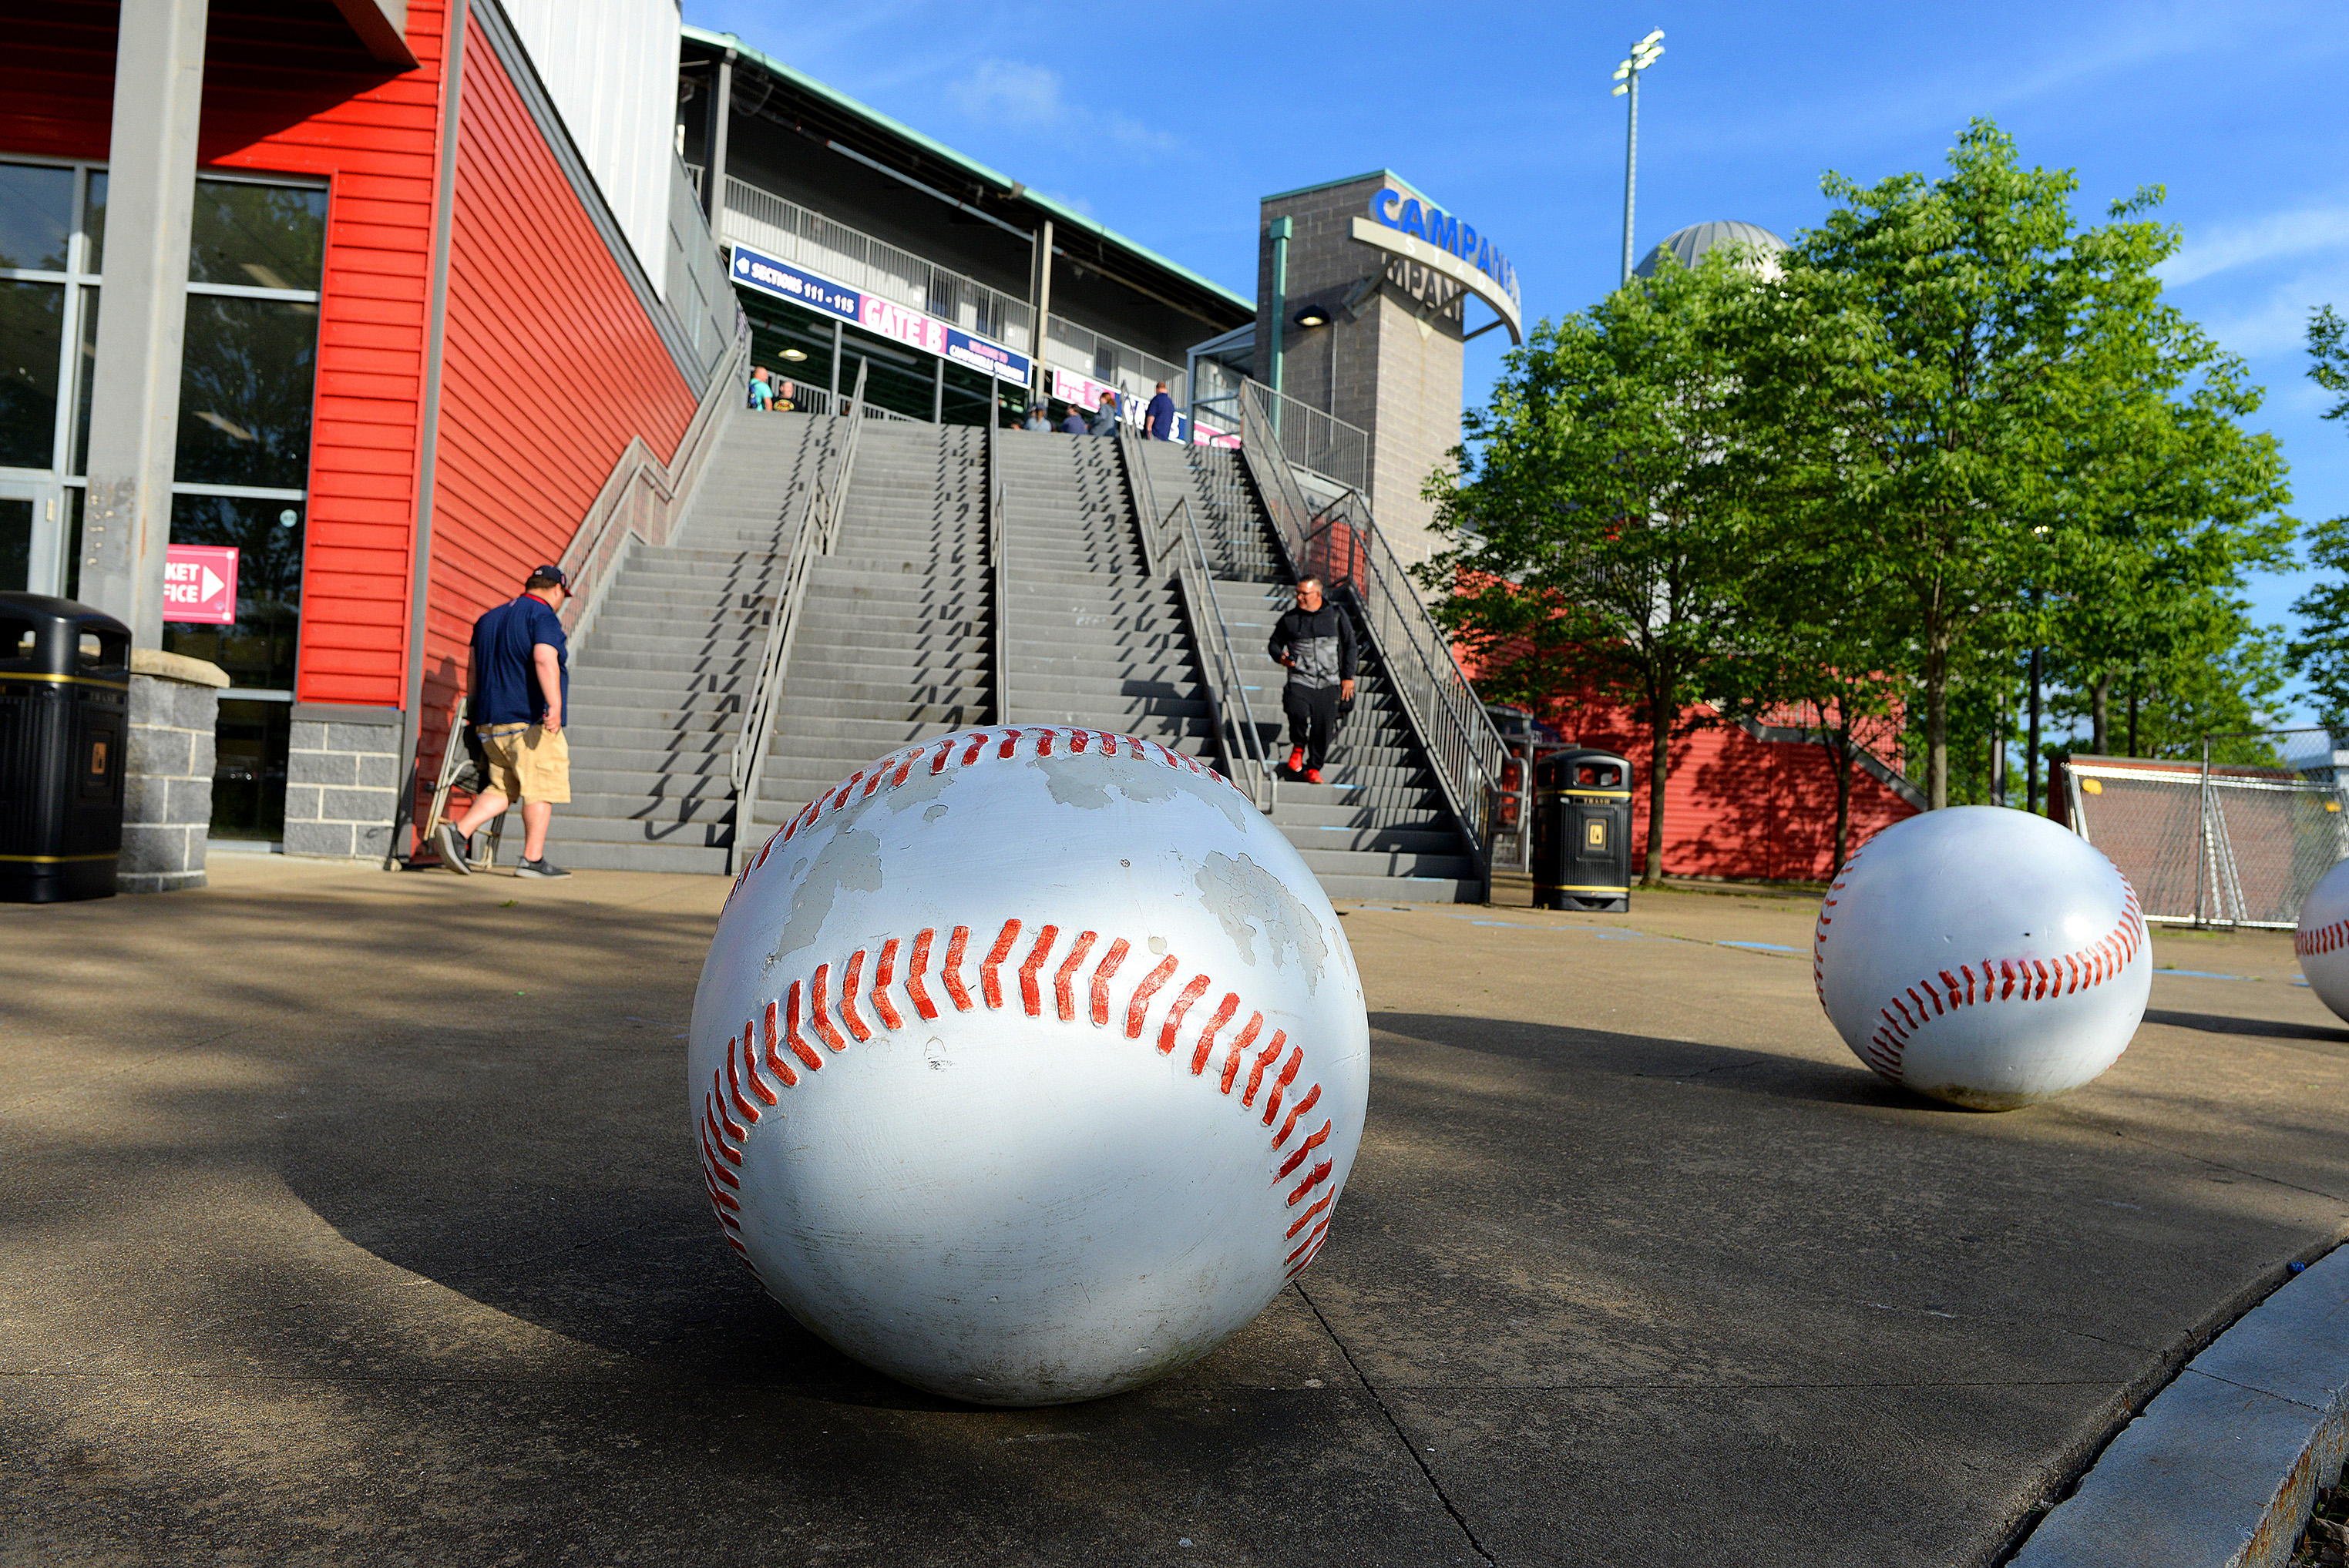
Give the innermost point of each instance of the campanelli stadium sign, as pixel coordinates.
(886, 318)
(1404, 225)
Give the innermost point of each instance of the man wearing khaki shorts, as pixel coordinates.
(522, 682)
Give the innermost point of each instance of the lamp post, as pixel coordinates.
(1644, 53)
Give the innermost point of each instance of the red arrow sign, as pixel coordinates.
(200, 584)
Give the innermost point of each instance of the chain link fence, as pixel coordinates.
(2220, 844)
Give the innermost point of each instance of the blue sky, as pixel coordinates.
(1168, 122)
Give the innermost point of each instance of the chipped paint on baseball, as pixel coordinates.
(1983, 956)
(2322, 941)
(1028, 1063)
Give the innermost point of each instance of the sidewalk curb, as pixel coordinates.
(2221, 1468)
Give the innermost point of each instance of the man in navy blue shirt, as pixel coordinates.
(521, 686)
(1159, 418)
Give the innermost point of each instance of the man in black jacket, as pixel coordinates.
(1316, 640)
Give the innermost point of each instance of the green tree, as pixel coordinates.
(1597, 537)
(1961, 385)
(2320, 653)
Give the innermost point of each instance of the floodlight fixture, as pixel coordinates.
(1650, 59)
(1651, 37)
(1622, 70)
(1618, 92)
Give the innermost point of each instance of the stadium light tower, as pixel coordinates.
(1644, 53)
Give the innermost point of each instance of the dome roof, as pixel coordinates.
(1689, 245)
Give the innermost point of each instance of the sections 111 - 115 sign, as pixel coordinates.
(882, 317)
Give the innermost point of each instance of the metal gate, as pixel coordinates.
(2214, 844)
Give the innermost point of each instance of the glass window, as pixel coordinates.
(93, 223)
(32, 325)
(261, 236)
(258, 650)
(245, 373)
(78, 460)
(36, 216)
(249, 747)
(15, 543)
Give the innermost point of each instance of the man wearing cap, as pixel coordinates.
(521, 686)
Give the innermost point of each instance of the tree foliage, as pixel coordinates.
(1856, 487)
(1595, 531)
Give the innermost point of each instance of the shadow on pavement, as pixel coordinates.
(2257, 1028)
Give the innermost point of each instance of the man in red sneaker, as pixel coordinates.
(1316, 642)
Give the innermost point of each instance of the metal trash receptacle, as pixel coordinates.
(1582, 831)
(65, 721)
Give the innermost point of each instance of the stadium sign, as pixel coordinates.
(1422, 232)
(886, 318)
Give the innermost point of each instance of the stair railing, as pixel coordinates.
(1228, 712)
(999, 504)
(1344, 548)
(1141, 495)
(819, 524)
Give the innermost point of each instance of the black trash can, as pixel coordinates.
(65, 719)
(1582, 831)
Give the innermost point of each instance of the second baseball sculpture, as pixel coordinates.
(1028, 1063)
(1983, 956)
(2322, 941)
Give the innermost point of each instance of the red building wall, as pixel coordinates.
(550, 367)
(1739, 807)
(288, 90)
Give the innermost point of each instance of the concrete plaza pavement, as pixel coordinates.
(348, 1217)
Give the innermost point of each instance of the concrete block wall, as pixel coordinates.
(167, 798)
(342, 780)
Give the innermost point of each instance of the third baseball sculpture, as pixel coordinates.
(1983, 956)
(1028, 1063)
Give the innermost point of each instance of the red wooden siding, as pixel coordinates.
(1737, 807)
(550, 366)
(375, 136)
(287, 91)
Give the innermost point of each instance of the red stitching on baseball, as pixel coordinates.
(775, 1063)
(1064, 983)
(1043, 744)
(978, 744)
(820, 1010)
(1029, 997)
(1240, 1044)
(1223, 1011)
(750, 1061)
(1256, 1073)
(1297, 1156)
(1011, 739)
(882, 973)
(1308, 1217)
(1312, 1245)
(1320, 1174)
(734, 1082)
(952, 972)
(1142, 992)
(1312, 1097)
(799, 1047)
(1191, 993)
(1280, 1085)
(725, 1121)
(849, 982)
(990, 985)
(1101, 972)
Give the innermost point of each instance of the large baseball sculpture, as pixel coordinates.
(1983, 956)
(2322, 940)
(1028, 1063)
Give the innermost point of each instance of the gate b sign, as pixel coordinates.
(200, 584)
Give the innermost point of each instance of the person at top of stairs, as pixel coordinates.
(1316, 642)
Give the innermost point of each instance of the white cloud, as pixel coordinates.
(2269, 238)
(2276, 321)
(1030, 98)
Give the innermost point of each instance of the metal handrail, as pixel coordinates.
(819, 523)
(1228, 710)
(998, 501)
(1143, 495)
(1463, 748)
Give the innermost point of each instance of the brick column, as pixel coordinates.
(342, 780)
(167, 800)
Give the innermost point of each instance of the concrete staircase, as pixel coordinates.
(659, 679)
(896, 640)
(1093, 641)
(1378, 828)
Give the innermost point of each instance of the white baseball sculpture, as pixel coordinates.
(2322, 940)
(1983, 956)
(1028, 1063)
